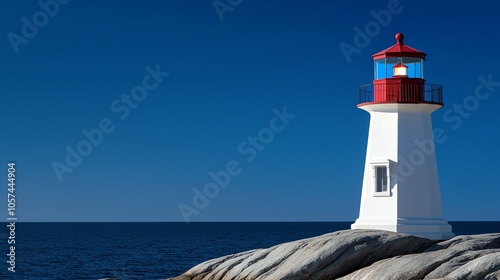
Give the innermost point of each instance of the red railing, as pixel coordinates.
(401, 93)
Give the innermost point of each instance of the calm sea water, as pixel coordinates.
(151, 250)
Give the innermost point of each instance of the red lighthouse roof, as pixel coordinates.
(399, 50)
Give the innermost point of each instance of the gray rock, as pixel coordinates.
(462, 257)
(361, 254)
(324, 257)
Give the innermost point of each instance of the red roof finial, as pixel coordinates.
(399, 38)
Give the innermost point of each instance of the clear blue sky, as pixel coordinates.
(225, 78)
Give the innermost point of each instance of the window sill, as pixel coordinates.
(382, 194)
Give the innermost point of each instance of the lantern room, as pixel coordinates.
(399, 60)
(399, 77)
(399, 67)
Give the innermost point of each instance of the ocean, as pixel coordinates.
(152, 250)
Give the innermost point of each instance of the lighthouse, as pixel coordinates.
(400, 185)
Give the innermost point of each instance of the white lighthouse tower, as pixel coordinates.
(400, 184)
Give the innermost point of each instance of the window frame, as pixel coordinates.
(381, 164)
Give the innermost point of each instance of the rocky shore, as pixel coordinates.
(360, 254)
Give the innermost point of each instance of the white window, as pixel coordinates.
(381, 178)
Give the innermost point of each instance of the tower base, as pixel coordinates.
(434, 229)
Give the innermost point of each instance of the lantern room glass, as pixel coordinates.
(383, 68)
